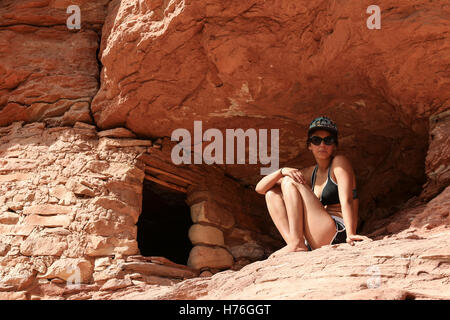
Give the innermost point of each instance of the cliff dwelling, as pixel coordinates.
(89, 193)
(163, 226)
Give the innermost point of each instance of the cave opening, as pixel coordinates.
(162, 228)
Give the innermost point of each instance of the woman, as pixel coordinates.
(318, 203)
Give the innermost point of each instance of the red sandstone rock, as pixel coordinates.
(73, 271)
(391, 268)
(8, 218)
(47, 209)
(419, 243)
(212, 213)
(43, 246)
(159, 270)
(255, 64)
(48, 73)
(209, 257)
(436, 213)
(47, 85)
(248, 64)
(13, 295)
(51, 221)
(114, 284)
(50, 13)
(117, 133)
(438, 156)
(202, 234)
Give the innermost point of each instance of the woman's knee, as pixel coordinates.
(288, 184)
(273, 193)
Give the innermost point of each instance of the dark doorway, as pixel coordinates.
(162, 228)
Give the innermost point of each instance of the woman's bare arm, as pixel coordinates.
(266, 183)
(274, 178)
(344, 175)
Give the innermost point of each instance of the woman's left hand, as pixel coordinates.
(351, 238)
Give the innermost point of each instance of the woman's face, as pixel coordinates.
(322, 151)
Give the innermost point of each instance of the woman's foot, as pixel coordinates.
(289, 248)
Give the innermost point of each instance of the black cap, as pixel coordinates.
(323, 123)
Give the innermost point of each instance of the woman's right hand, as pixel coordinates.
(293, 173)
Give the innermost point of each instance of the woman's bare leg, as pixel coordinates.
(318, 226)
(290, 226)
(299, 211)
(277, 211)
(294, 210)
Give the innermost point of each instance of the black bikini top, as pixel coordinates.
(330, 194)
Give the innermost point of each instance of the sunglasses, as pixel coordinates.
(315, 140)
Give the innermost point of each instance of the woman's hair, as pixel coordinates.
(322, 123)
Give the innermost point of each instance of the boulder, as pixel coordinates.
(118, 206)
(78, 188)
(9, 217)
(117, 133)
(47, 221)
(201, 234)
(107, 246)
(65, 196)
(203, 257)
(73, 271)
(47, 209)
(211, 213)
(155, 269)
(37, 245)
(250, 250)
(115, 284)
(15, 177)
(109, 143)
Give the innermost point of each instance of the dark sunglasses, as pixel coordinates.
(315, 140)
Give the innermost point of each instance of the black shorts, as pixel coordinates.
(339, 237)
(341, 234)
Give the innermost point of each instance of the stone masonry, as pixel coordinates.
(70, 198)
